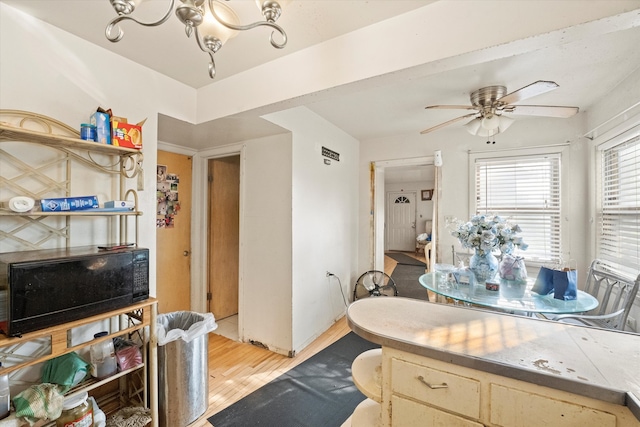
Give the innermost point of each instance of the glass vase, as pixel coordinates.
(484, 265)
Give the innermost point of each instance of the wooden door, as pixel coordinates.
(173, 234)
(401, 221)
(224, 238)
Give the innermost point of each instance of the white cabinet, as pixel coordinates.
(444, 365)
(419, 391)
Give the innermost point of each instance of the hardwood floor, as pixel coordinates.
(237, 369)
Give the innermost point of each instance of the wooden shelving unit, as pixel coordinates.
(138, 385)
(137, 318)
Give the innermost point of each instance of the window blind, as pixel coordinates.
(526, 191)
(619, 211)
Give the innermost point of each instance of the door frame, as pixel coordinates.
(379, 203)
(199, 222)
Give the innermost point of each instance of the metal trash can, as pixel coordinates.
(183, 369)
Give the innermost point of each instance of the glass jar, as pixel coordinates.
(76, 412)
(88, 132)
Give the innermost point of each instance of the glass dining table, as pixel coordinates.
(510, 297)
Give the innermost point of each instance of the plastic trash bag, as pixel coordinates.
(184, 325)
(128, 353)
(66, 370)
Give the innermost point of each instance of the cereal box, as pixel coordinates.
(63, 204)
(125, 134)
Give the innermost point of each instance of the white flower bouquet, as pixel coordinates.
(484, 233)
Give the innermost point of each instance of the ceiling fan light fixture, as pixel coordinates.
(492, 101)
(213, 25)
(473, 126)
(491, 122)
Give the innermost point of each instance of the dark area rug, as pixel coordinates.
(317, 393)
(404, 259)
(406, 279)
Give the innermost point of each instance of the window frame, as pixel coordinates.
(558, 150)
(621, 134)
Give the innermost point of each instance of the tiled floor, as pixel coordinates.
(228, 327)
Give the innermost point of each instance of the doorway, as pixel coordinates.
(223, 236)
(407, 176)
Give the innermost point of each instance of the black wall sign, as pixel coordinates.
(330, 154)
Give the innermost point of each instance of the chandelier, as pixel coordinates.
(212, 22)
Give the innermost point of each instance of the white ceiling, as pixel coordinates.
(391, 105)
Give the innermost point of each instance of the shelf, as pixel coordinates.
(137, 385)
(59, 333)
(29, 178)
(87, 212)
(91, 383)
(12, 133)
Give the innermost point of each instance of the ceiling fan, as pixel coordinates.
(492, 102)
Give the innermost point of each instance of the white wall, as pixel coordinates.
(56, 74)
(266, 252)
(324, 222)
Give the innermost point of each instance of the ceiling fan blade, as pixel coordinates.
(441, 125)
(534, 89)
(542, 110)
(451, 107)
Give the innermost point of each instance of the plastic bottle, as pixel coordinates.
(103, 357)
(99, 417)
(5, 395)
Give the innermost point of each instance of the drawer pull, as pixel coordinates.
(431, 386)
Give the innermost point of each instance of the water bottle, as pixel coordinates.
(5, 395)
(103, 357)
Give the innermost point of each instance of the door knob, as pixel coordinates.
(185, 253)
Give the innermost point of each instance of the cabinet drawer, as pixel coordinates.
(460, 394)
(516, 408)
(407, 413)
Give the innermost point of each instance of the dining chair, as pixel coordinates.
(615, 295)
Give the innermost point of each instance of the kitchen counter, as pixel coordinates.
(598, 364)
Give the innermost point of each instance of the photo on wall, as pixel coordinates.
(167, 195)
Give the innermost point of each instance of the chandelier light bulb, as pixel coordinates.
(212, 28)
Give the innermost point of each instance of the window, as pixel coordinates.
(618, 226)
(526, 191)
